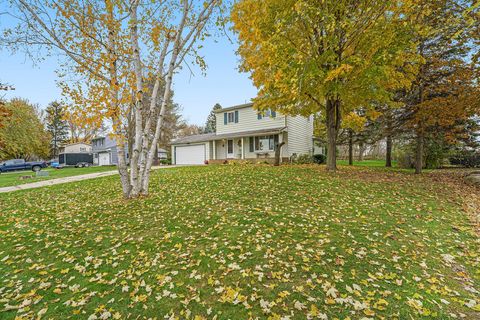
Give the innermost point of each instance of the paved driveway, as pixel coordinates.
(66, 180)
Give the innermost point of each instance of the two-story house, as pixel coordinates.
(104, 151)
(244, 133)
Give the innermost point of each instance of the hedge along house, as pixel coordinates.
(246, 134)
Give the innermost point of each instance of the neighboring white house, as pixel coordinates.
(79, 147)
(162, 153)
(74, 153)
(244, 133)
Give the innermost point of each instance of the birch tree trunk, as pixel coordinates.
(181, 46)
(138, 111)
(114, 105)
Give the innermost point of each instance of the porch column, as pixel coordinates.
(214, 150)
(243, 150)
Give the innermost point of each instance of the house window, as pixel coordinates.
(265, 143)
(266, 114)
(230, 117)
(83, 149)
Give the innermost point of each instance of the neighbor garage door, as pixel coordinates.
(104, 159)
(190, 154)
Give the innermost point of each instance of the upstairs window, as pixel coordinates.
(230, 117)
(266, 114)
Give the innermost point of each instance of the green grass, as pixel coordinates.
(13, 178)
(366, 163)
(239, 242)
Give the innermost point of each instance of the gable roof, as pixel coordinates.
(75, 143)
(240, 106)
(195, 138)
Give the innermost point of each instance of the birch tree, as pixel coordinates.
(111, 48)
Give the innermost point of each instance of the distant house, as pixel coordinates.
(79, 147)
(73, 153)
(104, 151)
(244, 133)
(162, 153)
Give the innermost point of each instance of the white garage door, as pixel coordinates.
(190, 154)
(104, 159)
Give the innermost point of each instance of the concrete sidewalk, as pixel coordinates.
(52, 182)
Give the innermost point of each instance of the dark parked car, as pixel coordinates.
(20, 164)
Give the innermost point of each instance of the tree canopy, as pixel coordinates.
(113, 49)
(56, 125)
(211, 123)
(332, 56)
(23, 134)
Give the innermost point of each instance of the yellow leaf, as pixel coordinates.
(369, 312)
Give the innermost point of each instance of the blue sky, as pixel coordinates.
(196, 94)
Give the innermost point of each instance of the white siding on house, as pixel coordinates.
(248, 121)
(297, 134)
(78, 148)
(300, 135)
(221, 149)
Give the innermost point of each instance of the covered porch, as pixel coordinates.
(256, 146)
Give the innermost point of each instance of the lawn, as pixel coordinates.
(13, 178)
(366, 163)
(240, 242)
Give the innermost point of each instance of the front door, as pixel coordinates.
(230, 154)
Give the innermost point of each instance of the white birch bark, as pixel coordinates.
(138, 108)
(181, 47)
(116, 119)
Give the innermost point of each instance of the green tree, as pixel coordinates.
(57, 126)
(23, 134)
(332, 56)
(211, 123)
(445, 91)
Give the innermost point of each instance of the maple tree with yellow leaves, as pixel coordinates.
(332, 56)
